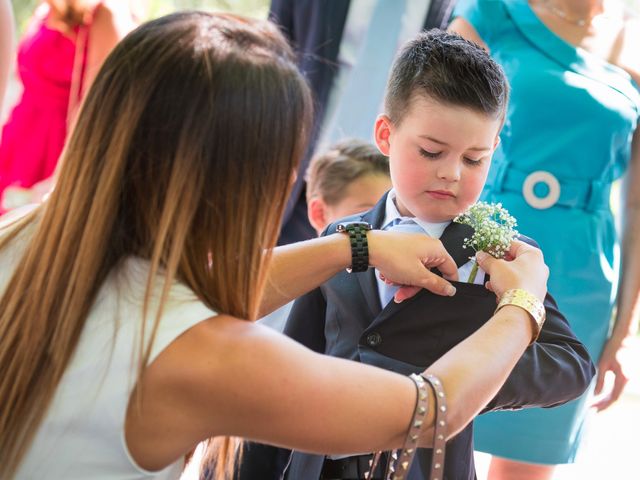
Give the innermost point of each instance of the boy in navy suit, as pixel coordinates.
(444, 108)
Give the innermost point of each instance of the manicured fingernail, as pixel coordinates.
(396, 300)
(480, 256)
(451, 290)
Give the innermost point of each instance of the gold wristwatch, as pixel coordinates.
(528, 302)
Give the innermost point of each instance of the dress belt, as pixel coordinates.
(591, 196)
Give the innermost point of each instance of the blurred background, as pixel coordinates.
(155, 8)
(614, 435)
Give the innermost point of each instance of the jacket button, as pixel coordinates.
(374, 339)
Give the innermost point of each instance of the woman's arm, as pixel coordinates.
(297, 268)
(229, 377)
(112, 21)
(627, 306)
(6, 46)
(463, 28)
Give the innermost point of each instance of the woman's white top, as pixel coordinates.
(82, 435)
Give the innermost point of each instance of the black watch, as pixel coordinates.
(357, 232)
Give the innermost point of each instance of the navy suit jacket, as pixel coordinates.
(344, 318)
(314, 28)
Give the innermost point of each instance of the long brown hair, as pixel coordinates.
(183, 154)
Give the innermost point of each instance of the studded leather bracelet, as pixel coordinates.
(400, 460)
(440, 428)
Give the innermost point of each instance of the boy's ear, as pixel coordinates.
(316, 213)
(382, 133)
(496, 142)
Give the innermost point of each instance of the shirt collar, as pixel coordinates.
(391, 212)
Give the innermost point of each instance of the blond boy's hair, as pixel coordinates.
(330, 173)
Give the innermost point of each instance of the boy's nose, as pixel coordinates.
(450, 171)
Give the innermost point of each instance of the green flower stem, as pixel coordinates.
(473, 273)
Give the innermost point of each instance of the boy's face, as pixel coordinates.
(439, 157)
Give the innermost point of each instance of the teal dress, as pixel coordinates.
(567, 137)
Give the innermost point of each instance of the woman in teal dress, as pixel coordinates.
(568, 135)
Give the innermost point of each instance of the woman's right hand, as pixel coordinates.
(524, 269)
(404, 259)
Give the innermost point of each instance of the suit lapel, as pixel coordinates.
(453, 237)
(367, 280)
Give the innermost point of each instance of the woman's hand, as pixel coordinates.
(525, 269)
(611, 360)
(405, 259)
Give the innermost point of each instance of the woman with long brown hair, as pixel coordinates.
(121, 339)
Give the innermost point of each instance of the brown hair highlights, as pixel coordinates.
(182, 154)
(449, 69)
(330, 173)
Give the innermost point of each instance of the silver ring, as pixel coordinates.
(541, 203)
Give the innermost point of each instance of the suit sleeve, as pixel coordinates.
(306, 320)
(554, 370)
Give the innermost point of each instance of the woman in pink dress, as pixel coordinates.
(62, 49)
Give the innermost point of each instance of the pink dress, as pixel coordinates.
(35, 132)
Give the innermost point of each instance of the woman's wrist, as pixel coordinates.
(373, 238)
(619, 337)
(529, 303)
(518, 320)
(340, 252)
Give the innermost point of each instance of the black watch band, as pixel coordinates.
(357, 232)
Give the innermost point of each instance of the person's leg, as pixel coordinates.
(505, 469)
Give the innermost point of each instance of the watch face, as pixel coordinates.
(343, 227)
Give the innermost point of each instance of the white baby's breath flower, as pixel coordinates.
(494, 229)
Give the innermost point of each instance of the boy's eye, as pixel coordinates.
(428, 154)
(472, 161)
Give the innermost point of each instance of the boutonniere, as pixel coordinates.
(494, 230)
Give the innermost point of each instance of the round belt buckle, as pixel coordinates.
(541, 203)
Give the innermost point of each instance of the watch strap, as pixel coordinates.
(357, 232)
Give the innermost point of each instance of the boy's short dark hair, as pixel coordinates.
(330, 173)
(449, 69)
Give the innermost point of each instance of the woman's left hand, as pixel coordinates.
(612, 360)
